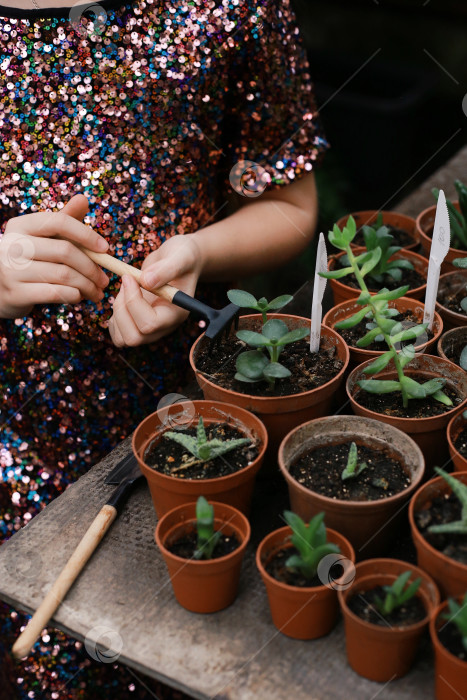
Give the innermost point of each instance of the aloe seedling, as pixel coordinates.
(352, 468)
(248, 301)
(457, 527)
(391, 331)
(202, 449)
(207, 538)
(457, 615)
(457, 220)
(253, 365)
(397, 593)
(311, 543)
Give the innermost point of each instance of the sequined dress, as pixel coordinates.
(144, 107)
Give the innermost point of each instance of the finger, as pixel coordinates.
(42, 293)
(77, 207)
(115, 333)
(124, 321)
(143, 314)
(163, 272)
(51, 224)
(63, 275)
(67, 253)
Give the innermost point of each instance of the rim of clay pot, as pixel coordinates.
(430, 212)
(447, 335)
(343, 595)
(263, 400)
(390, 369)
(413, 525)
(405, 223)
(259, 430)
(434, 628)
(329, 421)
(408, 301)
(286, 532)
(452, 432)
(191, 519)
(460, 319)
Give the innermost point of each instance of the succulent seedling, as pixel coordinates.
(207, 538)
(462, 264)
(397, 593)
(457, 527)
(247, 301)
(457, 616)
(202, 449)
(458, 220)
(353, 468)
(311, 543)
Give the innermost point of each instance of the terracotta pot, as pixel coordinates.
(450, 575)
(384, 653)
(458, 280)
(370, 526)
(451, 343)
(424, 225)
(390, 218)
(168, 491)
(208, 585)
(358, 355)
(282, 413)
(455, 426)
(428, 433)
(450, 671)
(302, 613)
(342, 292)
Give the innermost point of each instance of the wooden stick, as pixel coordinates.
(63, 583)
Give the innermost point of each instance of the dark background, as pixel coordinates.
(390, 77)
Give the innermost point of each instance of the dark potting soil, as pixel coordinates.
(168, 457)
(443, 509)
(461, 443)
(363, 605)
(309, 370)
(277, 569)
(185, 546)
(451, 296)
(391, 404)
(401, 237)
(407, 318)
(452, 348)
(411, 277)
(320, 470)
(451, 638)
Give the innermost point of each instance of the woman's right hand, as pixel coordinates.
(39, 263)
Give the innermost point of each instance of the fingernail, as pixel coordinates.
(102, 245)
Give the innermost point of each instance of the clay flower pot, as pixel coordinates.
(455, 426)
(279, 413)
(303, 613)
(428, 433)
(342, 292)
(373, 651)
(451, 343)
(424, 225)
(450, 671)
(358, 355)
(370, 526)
(206, 585)
(449, 574)
(168, 491)
(457, 281)
(390, 218)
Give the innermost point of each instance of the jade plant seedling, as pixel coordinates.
(353, 468)
(457, 527)
(457, 615)
(247, 301)
(397, 593)
(458, 220)
(207, 538)
(311, 543)
(390, 330)
(202, 449)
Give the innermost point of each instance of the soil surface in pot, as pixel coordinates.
(451, 638)
(461, 443)
(443, 509)
(171, 458)
(453, 348)
(408, 320)
(391, 404)
(411, 277)
(320, 471)
(401, 237)
(363, 604)
(276, 568)
(309, 370)
(185, 545)
(451, 296)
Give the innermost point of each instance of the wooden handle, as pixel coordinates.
(167, 291)
(63, 583)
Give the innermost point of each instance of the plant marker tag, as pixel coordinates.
(439, 249)
(318, 292)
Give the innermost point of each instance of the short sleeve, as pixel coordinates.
(272, 118)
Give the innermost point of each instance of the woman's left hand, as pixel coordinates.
(140, 317)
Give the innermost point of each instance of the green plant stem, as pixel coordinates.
(377, 318)
(265, 316)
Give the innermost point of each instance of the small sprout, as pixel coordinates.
(457, 527)
(248, 301)
(311, 543)
(352, 468)
(457, 220)
(457, 616)
(207, 538)
(397, 593)
(200, 447)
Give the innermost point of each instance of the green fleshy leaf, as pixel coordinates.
(275, 370)
(293, 336)
(255, 340)
(251, 364)
(242, 299)
(352, 320)
(275, 329)
(336, 274)
(387, 295)
(368, 338)
(281, 301)
(413, 388)
(379, 386)
(380, 363)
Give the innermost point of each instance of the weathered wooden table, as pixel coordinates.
(123, 599)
